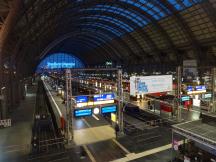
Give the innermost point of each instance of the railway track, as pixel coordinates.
(45, 136)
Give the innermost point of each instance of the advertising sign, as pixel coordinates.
(82, 112)
(190, 69)
(108, 109)
(150, 84)
(104, 97)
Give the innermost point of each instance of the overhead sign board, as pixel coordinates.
(81, 99)
(185, 98)
(82, 112)
(189, 88)
(150, 84)
(207, 95)
(108, 109)
(196, 90)
(200, 88)
(104, 97)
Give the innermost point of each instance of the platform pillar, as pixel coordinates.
(120, 118)
(178, 94)
(69, 107)
(213, 109)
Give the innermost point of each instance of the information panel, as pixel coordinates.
(81, 99)
(109, 109)
(150, 84)
(201, 88)
(104, 97)
(82, 112)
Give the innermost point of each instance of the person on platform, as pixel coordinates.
(116, 129)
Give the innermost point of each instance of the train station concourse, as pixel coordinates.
(107, 80)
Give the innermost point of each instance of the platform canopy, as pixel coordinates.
(124, 31)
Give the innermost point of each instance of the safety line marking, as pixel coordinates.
(133, 156)
(121, 146)
(95, 117)
(86, 123)
(53, 100)
(89, 153)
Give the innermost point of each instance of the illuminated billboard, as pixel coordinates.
(150, 84)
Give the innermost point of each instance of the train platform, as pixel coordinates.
(186, 115)
(97, 137)
(15, 141)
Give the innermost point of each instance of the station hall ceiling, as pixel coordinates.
(125, 31)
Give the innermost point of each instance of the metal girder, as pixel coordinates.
(184, 26)
(105, 50)
(127, 21)
(97, 34)
(133, 40)
(137, 10)
(106, 32)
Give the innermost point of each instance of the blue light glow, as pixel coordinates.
(59, 61)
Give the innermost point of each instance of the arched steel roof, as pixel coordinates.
(122, 30)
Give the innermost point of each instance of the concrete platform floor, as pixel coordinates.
(15, 141)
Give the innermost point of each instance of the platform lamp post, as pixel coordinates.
(178, 94)
(69, 115)
(120, 102)
(213, 90)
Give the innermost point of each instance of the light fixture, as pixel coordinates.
(96, 111)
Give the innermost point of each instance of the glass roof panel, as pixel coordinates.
(182, 4)
(118, 23)
(103, 26)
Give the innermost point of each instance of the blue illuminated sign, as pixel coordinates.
(189, 88)
(104, 97)
(185, 98)
(56, 65)
(82, 112)
(108, 109)
(81, 99)
(201, 88)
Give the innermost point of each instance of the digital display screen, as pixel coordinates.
(208, 95)
(201, 88)
(104, 97)
(108, 109)
(81, 99)
(185, 98)
(82, 112)
(189, 88)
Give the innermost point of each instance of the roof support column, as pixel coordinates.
(6, 31)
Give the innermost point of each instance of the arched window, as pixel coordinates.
(59, 61)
